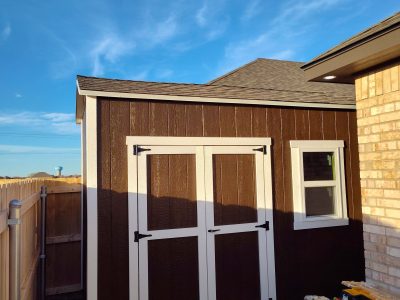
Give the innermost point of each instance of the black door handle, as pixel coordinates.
(213, 230)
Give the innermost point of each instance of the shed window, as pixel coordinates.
(319, 193)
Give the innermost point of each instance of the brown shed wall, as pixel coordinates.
(307, 261)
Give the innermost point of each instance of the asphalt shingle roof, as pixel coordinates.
(262, 79)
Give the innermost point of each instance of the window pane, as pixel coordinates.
(320, 201)
(318, 166)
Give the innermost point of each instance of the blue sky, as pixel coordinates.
(45, 44)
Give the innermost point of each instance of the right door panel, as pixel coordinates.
(235, 206)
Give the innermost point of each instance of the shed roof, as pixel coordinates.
(279, 75)
(210, 91)
(262, 81)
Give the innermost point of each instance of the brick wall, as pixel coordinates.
(378, 118)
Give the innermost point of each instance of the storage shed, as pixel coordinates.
(246, 187)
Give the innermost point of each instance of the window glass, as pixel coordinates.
(318, 166)
(319, 201)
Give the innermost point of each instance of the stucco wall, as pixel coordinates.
(378, 119)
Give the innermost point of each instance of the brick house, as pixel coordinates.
(371, 59)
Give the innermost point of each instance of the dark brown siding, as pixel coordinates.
(307, 261)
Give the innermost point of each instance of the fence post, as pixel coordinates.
(43, 206)
(14, 222)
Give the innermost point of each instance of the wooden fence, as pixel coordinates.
(28, 191)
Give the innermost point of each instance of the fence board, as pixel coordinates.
(28, 191)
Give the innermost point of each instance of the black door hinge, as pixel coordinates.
(139, 236)
(137, 149)
(262, 149)
(265, 225)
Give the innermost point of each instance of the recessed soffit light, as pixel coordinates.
(329, 77)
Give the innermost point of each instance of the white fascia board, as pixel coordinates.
(196, 141)
(214, 100)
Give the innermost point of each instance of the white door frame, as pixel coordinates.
(133, 193)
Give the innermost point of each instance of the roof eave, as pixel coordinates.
(216, 100)
(349, 61)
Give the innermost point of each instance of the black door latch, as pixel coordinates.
(139, 236)
(137, 149)
(262, 149)
(265, 225)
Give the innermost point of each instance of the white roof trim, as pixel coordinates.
(214, 100)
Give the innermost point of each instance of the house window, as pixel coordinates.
(319, 190)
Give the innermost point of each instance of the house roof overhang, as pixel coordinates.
(376, 46)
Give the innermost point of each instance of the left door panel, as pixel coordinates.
(171, 222)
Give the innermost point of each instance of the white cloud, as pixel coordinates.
(6, 32)
(56, 123)
(165, 30)
(201, 19)
(252, 9)
(108, 49)
(18, 149)
(283, 36)
(164, 74)
(18, 95)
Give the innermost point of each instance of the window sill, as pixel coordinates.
(299, 225)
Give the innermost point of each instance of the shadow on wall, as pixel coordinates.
(312, 261)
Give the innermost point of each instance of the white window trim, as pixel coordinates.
(300, 220)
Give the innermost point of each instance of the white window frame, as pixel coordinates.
(339, 218)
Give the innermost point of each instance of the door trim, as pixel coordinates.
(197, 141)
(194, 141)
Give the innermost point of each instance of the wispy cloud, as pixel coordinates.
(284, 35)
(210, 19)
(109, 49)
(5, 32)
(201, 14)
(18, 95)
(18, 149)
(55, 123)
(252, 9)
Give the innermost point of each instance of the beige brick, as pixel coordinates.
(394, 76)
(379, 83)
(386, 117)
(394, 271)
(394, 232)
(389, 203)
(393, 213)
(385, 184)
(393, 251)
(391, 241)
(392, 194)
(374, 229)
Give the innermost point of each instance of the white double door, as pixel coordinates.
(199, 226)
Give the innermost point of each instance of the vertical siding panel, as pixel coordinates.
(243, 121)
(119, 128)
(315, 118)
(227, 120)
(328, 125)
(211, 120)
(275, 131)
(105, 258)
(177, 119)
(302, 125)
(158, 118)
(139, 118)
(259, 121)
(194, 119)
(354, 170)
